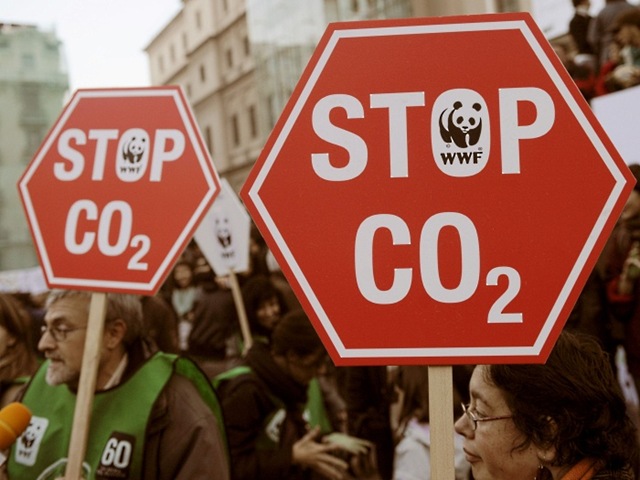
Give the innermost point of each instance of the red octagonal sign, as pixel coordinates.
(117, 189)
(437, 191)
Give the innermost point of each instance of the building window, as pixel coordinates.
(208, 139)
(161, 64)
(253, 121)
(354, 6)
(247, 45)
(225, 6)
(172, 53)
(28, 61)
(198, 20)
(229, 56)
(184, 42)
(188, 89)
(235, 131)
(507, 5)
(203, 75)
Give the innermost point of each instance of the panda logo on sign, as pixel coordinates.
(133, 155)
(133, 149)
(461, 124)
(460, 133)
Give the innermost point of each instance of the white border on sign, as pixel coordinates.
(166, 263)
(360, 353)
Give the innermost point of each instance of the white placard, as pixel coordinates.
(223, 235)
(618, 115)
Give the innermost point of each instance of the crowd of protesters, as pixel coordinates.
(284, 411)
(603, 52)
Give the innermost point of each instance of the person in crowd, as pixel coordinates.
(160, 323)
(561, 420)
(625, 71)
(581, 67)
(600, 34)
(368, 395)
(183, 295)
(213, 340)
(264, 305)
(158, 412)
(622, 274)
(579, 26)
(264, 403)
(412, 452)
(18, 359)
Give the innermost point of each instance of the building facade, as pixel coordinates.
(33, 85)
(239, 60)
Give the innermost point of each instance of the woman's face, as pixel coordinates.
(268, 313)
(183, 275)
(492, 447)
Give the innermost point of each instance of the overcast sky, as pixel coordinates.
(104, 40)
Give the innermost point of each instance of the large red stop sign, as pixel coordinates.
(437, 191)
(117, 189)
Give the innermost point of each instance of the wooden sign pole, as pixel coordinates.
(242, 314)
(441, 422)
(86, 387)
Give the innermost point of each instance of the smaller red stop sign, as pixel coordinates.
(437, 191)
(117, 189)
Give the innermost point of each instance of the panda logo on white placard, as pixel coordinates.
(460, 133)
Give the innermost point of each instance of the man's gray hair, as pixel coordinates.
(125, 307)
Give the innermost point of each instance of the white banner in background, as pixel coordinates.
(618, 114)
(28, 280)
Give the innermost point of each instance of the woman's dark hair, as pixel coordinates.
(414, 383)
(573, 403)
(20, 357)
(256, 290)
(294, 333)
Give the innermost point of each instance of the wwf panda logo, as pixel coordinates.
(133, 155)
(460, 132)
(134, 148)
(461, 124)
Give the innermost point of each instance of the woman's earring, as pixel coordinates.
(540, 473)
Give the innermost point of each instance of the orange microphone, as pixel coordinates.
(14, 419)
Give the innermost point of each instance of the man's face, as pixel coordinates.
(268, 313)
(68, 316)
(303, 368)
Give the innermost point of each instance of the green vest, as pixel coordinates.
(315, 412)
(119, 419)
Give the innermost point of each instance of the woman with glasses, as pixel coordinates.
(563, 420)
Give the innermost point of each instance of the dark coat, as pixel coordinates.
(248, 400)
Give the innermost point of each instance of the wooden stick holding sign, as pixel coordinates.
(86, 387)
(242, 314)
(441, 422)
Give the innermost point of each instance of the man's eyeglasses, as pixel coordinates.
(59, 334)
(474, 418)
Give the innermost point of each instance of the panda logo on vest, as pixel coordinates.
(460, 133)
(28, 445)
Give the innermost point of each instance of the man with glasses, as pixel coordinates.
(155, 416)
